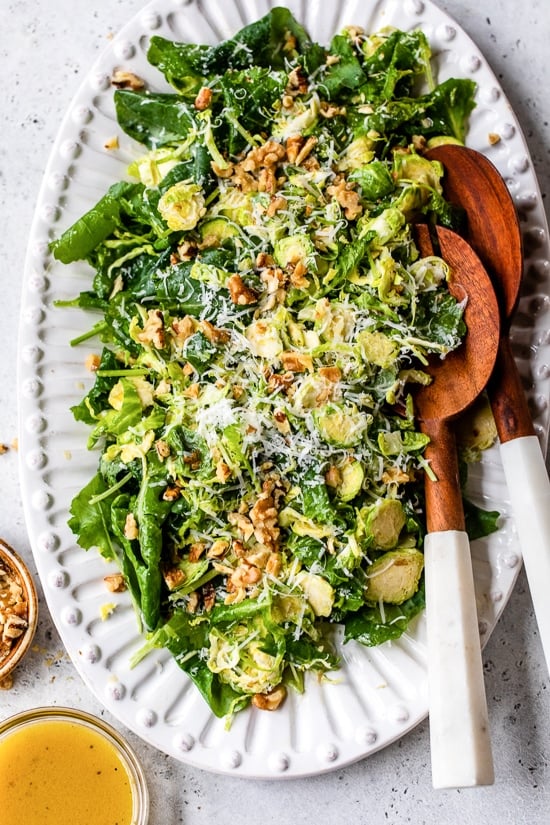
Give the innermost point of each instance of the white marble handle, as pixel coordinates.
(459, 728)
(529, 489)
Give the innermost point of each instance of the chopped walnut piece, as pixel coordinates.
(494, 138)
(242, 523)
(264, 517)
(238, 548)
(281, 422)
(7, 682)
(171, 493)
(183, 328)
(192, 391)
(162, 448)
(164, 387)
(223, 472)
(297, 276)
(419, 142)
(297, 83)
(218, 549)
(174, 577)
(259, 556)
(276, 381)
(311, 164)
(333, 476)
(296, 361)
(208, 596)
(131, 530)
(14, 626)
(347, 198)
(3, 449)
(92, 362)
(243, 180)
(126, 80)
(264, 260)
(332, 374)
(235, 595)
(193, 460)
(273, 277)
(153, 331)
(111, 143)
(305, 150)
(394, 475)
(245, 575)
(267, 181)
(293, 145)
(203, 99)
(266, 155)
(115, 583)
(240, 293)
(187, 251)
(193, 602)
(329, 110)
(196, 550)
(274, 564)
(215, 335)
(275, 205)
(271, 700)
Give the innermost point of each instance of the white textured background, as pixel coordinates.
(46, 48)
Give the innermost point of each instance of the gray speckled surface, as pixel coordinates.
(45, 50)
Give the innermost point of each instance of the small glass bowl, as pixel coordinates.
(18, 570)
(41, 715)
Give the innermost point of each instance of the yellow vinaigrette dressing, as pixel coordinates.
(60, 772)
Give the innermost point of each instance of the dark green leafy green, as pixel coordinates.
(95, 401)
(440, 317)
(268, 43)
(95, 226)
(371, 628)
(315, 498)
(345, 73)
(151, 510)
(479, 522)
(153, 119)
(183, 633)
(91, 517)
(394, 66)
(249, 97)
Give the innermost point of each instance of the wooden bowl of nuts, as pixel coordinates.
(18, 611)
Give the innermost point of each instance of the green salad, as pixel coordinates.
(265, 315)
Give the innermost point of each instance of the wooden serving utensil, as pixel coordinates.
(473, 182)
(459, 729)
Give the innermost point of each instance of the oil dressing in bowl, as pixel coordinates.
(58, 765)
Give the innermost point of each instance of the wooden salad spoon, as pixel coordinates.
(459, 729)
(473, 182)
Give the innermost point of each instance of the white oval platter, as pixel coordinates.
(379, 694)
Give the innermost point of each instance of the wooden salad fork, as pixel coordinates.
(459, 730)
